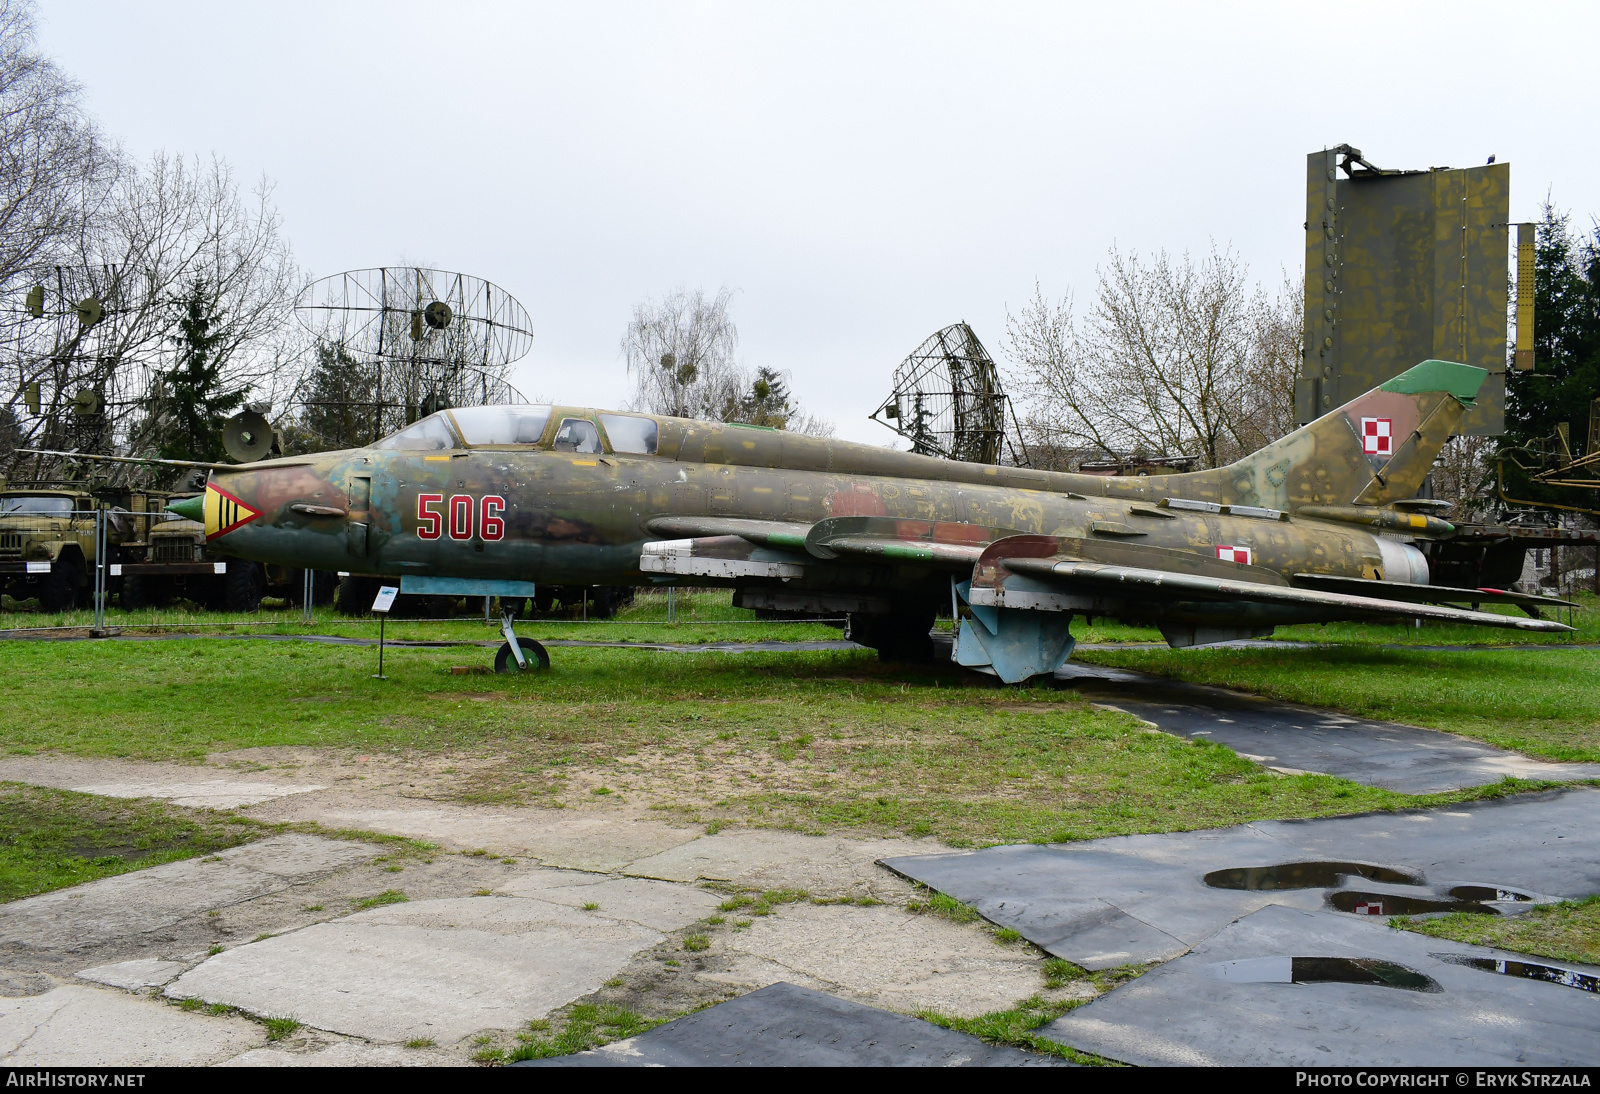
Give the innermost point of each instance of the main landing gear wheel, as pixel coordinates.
(533, 653)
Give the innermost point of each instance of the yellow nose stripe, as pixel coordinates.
(224, 512)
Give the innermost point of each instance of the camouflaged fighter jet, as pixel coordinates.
(1318, 526)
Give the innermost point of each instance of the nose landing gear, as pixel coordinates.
(518, 654)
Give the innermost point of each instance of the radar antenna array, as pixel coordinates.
(422, 339)
(72, 347)
(949, 403)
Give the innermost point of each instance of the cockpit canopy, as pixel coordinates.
(525, 424)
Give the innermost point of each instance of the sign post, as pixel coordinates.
(381, 605)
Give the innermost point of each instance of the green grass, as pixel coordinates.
(700, 616)
(819, 741)
(946, 907)
(1015, 1026)
(388, 896)
(1542, 702)
(585, 1026)
(50, 839)
(279, 1028)
(1568, 931)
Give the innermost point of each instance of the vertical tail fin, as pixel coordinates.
(1373, 450)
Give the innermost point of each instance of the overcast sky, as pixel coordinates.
(860, 173)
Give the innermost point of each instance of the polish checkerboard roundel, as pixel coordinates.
(1377, 436)
(1229, 553)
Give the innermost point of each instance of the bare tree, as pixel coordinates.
(680, 351)
(1463, 475)
(184, 228)
(812, 425)
(56, 170)
(1051, 397)
(175, 241)
(1277, 328)
(1178, 357)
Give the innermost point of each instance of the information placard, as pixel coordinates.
(385, 599)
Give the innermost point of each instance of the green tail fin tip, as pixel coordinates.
(1462, 381)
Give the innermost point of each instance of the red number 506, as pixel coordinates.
(462, 510)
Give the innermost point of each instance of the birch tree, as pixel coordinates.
(1176, 357)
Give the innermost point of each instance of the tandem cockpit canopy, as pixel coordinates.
(526, 424)
(476, 425)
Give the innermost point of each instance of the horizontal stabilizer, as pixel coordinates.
(1425, 594)
(1138, 583)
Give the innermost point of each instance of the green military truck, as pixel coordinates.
(47, 552)
(48, 541)
(172, 561)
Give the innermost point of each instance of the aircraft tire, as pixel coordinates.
(532, 652)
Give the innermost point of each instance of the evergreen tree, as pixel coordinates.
(198, 401)
(766, 403)
(1566, 354)
(339, 397)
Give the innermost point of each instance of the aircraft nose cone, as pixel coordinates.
(189, 508)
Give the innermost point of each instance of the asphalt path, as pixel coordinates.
(1293, 738)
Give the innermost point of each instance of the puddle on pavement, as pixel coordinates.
(1334, 874)
(1527, 970)
(1488, 892)
(1359, 903)
(1307, 875)
(1322, 970)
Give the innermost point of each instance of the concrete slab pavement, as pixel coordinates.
(92, 1027)
(438, 969)
(151, 899)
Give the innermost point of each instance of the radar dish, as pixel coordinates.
(369, 313)
(948, 400)
(417, 338)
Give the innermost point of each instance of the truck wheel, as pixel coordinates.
(139, 592)
(58, 590)
(244, 585)
(533, 653)
(355, 595)
(322, 587)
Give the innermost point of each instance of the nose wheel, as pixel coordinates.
(518, 654)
